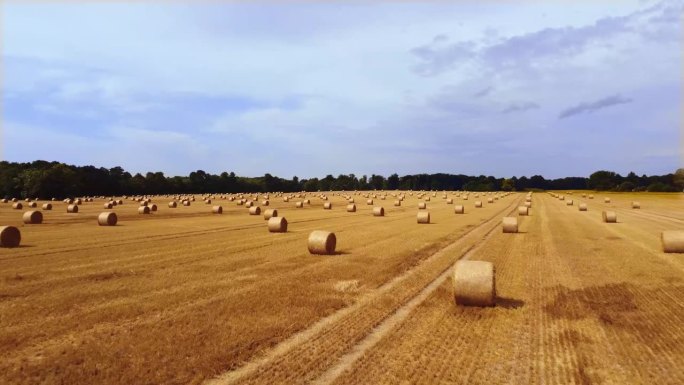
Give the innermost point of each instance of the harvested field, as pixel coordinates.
(184, 296)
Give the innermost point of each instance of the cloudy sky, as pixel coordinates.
(310, 89)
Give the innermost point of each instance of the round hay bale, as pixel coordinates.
(568, 202)
(4, 200)
(47, 206)
(153, 207)
(523, 211)
(450, 201)
(369, 202)
(528, 199)
(270, 213)
(107, 206)
(327, 205)
(490, 200)
(351, 208)
(207, 201)
(217, 210)
(322, 242)
(107, 218)
(351, 200)
(423, 217)
(528, 204)
(561, 197)
(299, 205)
(582, 207)
(378, 212)
(636, 205)
(265, 203)
(307, 201)
(673, 241)
(277, 225)
(286, 199)
(606, 200)
(14, 200)
(143, 203)
(72, 209)
(427, 199)
(591, 197)
(143, 210)
(474, 283)
(609, 216)
(397, 203)
(119, 202)
(187, 203)
(459, 209)
(255, 210)
(32, 205)
(249, 204)
(17, 206)
(173, 204)
(113, 203)
(422, 205)
(33, 217)
(478, 204)
(9, 236)
(510, 224)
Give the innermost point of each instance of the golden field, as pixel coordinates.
(186, 296)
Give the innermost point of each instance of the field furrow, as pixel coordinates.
(184, 288)
(183, 296)
(577, 305)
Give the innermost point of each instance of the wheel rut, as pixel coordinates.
(322, 352)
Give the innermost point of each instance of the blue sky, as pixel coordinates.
(309, 89)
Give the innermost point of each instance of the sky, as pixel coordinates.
(314, 88)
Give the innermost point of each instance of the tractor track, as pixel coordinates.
(324, 350)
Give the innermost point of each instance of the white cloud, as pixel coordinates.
(359, 107)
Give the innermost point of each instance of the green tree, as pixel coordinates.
(660, 187)
(679, 179)
(603, 180)
(326, 183)
(57, 181)
(138, 184)
(393, 182)
(377, 182)
(198, 181)
(626, 186)
(311, 184)
(508, 185)
(363, 183)
(156, 183)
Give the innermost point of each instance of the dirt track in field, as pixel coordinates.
(184, 296)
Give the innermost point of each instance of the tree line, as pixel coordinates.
(42, 179)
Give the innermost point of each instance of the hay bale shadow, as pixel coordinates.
(509, 303)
